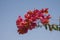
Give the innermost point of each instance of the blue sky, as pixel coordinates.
(11, 9)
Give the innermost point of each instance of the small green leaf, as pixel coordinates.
(45, 26)
(50, 27)
(55, 27)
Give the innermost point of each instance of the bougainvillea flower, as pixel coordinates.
(40, 15)
(44, 21)
(46, 10)
(30, 16)
(35, 11)
(29, 22)
(42, 10)
(21, 25)
(29, 12)
(32, 26)
(27, 16)
(48, 17)
(32, 19)
(19, 20)
(22, 31)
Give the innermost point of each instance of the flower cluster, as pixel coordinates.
(29, 22)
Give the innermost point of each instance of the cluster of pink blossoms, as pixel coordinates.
(29, 22)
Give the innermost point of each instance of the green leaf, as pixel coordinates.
(55, 27)
(45, 26)
(50, 27)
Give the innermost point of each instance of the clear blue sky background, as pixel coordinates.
(11, 9)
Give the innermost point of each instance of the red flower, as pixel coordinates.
(27, 16)
(29, 12)
(48, 17)
(46, 10)
(40, 15)
(32, 26)
(42, 11)
(22, 31)
(44, 21)
(30, 20)
(35, 11)
(19, 20)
